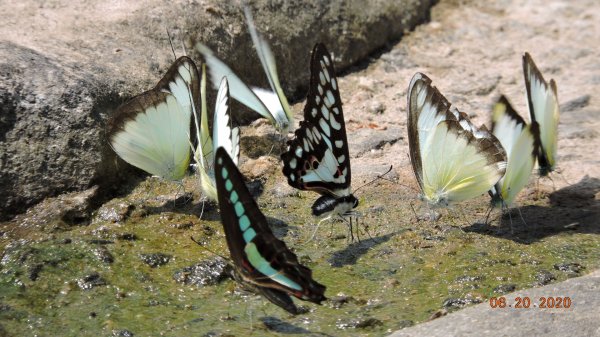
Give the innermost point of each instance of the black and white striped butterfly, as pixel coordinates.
(317, 158)
(543, 110)
(261, 261)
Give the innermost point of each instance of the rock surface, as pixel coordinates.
(581, 319)
(65, 66)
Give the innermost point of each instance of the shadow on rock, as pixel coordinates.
(572, 209)
(355, 250)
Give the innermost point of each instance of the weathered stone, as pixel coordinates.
(58, 86)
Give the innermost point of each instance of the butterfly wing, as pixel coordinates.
(271, 110)
(317, 158)
(426, 108)
(223, 134)
(518, 140)
(457, 165)
(151, 131)
(259, 257)
(452, 159)
(268, 62)
(543, 109)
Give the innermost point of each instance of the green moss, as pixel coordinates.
(401, 274)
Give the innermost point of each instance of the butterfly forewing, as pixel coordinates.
(268, 62)
(544, 110)
(259, 257)
(318, 158)
(426, 108)
(152, 130)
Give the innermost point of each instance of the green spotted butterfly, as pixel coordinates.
(261, 261)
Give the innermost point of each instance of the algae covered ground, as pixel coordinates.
(117, 275)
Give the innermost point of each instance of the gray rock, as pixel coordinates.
(581, 319)
(205, 273)
(65, 68)
(155, 259)
(90, 281)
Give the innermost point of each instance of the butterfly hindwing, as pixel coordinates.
(543, 109)
(259, 257)
(318, 158)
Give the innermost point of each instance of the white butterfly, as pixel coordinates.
(151, 130)
(223, 136)
(271, 104)
(518, 140)
(452, 159)
(543, 110)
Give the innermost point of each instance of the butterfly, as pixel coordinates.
(317, 158)
(223, 136)
(452, 159)
(518, 139)
(151, 130)
(261, 261)
(271, 104)
(543, 110)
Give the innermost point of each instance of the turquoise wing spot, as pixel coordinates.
(224, 173)
(249, 235)
(228, 185)
(239, 209)
(220, 160)
(258, 262)
(233, 197)
(244, 223)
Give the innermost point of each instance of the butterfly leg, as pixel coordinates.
(487, 217)
(504, 206)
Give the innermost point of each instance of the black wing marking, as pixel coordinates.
(318, 158)
(249, 238)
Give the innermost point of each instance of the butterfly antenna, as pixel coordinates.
(171, 43)
(210, 251)
(381, 176)
(183, 47)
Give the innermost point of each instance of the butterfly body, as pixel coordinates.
(318, 158)
(327, 205)
(452, 159)
(261, 261)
